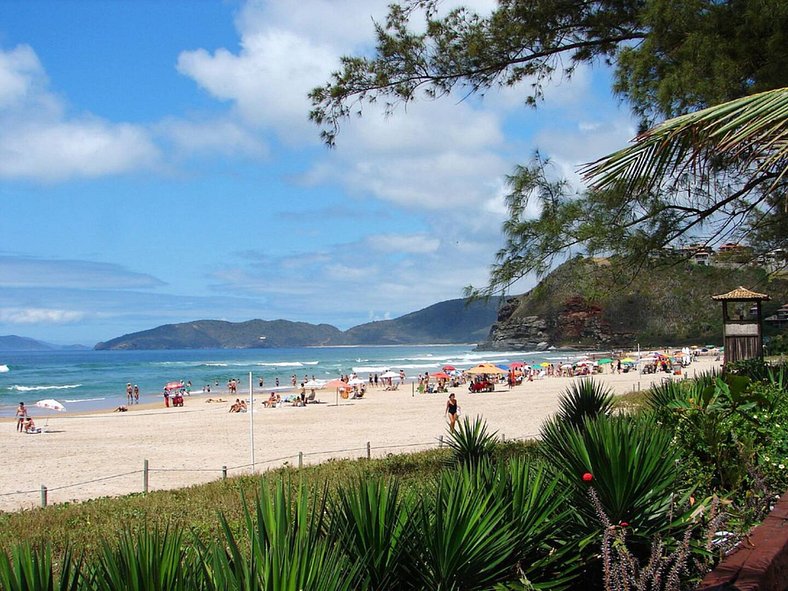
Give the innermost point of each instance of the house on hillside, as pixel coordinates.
(780, 318)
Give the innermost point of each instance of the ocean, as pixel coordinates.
(94, 380)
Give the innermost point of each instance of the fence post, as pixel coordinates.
(300, 459)
(369, 451)
(224, 472)
(503, 437)
(145, 476)
(43, 496)
(440, 441)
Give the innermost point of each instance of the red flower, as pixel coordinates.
(623, 524)
(588, 477)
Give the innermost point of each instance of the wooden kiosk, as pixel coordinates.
(741, 324)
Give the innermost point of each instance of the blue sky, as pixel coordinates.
(157, 165)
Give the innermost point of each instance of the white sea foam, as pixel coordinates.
(286, 363)
(36, 388)
(4, 368)
(83, 399)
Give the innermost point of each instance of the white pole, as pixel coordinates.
(251, 419)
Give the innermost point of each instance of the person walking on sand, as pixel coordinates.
(21, 415)
(129, 394)
(452, 410)
(136, 394)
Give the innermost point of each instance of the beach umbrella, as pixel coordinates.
(567, 366)
(448, 368)
(356, 382)
(50, 404)
(503, 367)
(336, 383)
(314, 384)
(627, 360)
(174, 385)
(441, 376)
(390, 374)
(605, 361)
(517, 364)
(485, 368)
(544, 364)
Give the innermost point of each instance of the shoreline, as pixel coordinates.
(101, 453)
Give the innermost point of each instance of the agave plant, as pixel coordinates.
(464, 539)
(151, 559)
(27, 569)
(471, 442)
(547, 550)
(287, 550)
(585, 398)
(370, 521)
(631, 464)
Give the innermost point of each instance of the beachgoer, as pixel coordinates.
(136, 394)
(121, 409)
(129, 394)
(166, 398)
(21, 415)
(30, 426)
(452, 410)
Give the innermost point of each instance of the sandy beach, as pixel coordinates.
(83, 456)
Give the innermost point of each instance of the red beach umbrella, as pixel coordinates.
(448, 368)
(441, 376)
(517, 364)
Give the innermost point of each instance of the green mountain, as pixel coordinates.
(218, 334)
(446, 322)
(15, 343)
(584, 304)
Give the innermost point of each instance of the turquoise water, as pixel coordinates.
(89, 380)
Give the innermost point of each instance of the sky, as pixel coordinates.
(157, 165)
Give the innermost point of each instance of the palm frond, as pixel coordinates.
(751, 131)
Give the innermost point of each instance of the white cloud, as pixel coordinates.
(222, 135)
(29, 272)
(39, 316)
(403, 243)
(267, 81)
(39, 142)
(62, 150)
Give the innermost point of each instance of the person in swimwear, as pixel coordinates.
(21, 415)
(451, 410)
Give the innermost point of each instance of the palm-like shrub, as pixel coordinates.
(288, 551)
(547, 551)
(584, 398)
(370, 521)
(630, 463)
(463, 539)
(27, 569)
(471, 442)
(150, 560)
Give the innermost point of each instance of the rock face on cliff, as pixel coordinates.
(584, 304)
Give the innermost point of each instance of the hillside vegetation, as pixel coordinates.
(582, 304)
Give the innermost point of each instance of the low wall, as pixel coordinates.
(760, 562)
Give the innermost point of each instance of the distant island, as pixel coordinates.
(17, 343)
